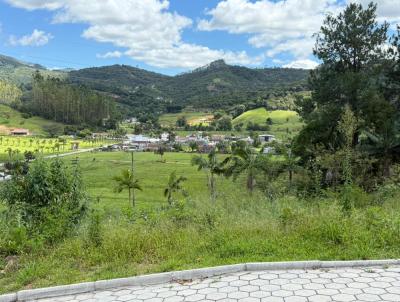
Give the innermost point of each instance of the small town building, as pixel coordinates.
(100, 135)
(164, 137)
(217, 138)
(20, 132)
(132, 121)
(140, 142)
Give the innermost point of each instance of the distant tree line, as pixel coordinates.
(57, 100)
(9, 93)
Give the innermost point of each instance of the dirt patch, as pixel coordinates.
(5, 130)
(205, 120)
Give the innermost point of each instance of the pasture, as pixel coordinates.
(152, 173)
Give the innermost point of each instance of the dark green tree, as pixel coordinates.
(351, 47)
(174, 185)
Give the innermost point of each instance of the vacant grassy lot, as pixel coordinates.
(239, 227)
(152, 173)
(10, 118)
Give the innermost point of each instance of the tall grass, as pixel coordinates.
(198, 234)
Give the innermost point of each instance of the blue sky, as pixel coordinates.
(167, 36)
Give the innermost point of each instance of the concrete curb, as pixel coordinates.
(152, 279)
(8, 298)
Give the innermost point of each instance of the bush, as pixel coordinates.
(48, 200)
(26, 115)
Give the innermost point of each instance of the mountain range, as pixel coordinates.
(214, 86)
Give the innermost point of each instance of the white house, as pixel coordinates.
(164, 137)
(140, 142)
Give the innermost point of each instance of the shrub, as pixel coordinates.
(48, 200)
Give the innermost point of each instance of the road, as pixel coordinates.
(340, 285)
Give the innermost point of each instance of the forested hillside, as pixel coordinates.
(215, 86)
(54, 99)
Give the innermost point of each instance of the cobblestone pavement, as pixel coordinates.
(342, 285)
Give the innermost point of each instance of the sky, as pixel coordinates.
(169, 37)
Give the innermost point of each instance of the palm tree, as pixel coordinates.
(244, 161)
(174, 185)
(212, 166)
(10, 152)
(127, 181)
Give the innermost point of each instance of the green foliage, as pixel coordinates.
(95, 228)
(212, 166)
(224, 123)
(197, 235)
(216, 86)
(49, 200)
(353, 84)
(244, 160)
(127, 181)
(9, 93)
(181, 121)
(174, 186)
(20, 73)
(54, 99)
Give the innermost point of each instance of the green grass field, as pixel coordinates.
(285, 123)
(10, 118)
(153, 175)
(239, 227)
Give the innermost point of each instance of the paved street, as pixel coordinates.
(341, 285)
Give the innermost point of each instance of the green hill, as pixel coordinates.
(10, 118)
(285, 123)
(18, 72)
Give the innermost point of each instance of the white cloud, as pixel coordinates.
(36, 38)
(36, 4)
(388, 10)
(145, 28)
(110, 54)
(304, 64)
(279, 26)
(283, 26)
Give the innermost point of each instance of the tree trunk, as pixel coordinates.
(170, 198)
(132, 162)
(386, 167)
(130, 196)
(250, 182)
(212, 187)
